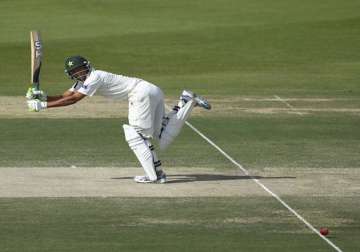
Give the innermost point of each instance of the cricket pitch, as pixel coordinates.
(182, 182)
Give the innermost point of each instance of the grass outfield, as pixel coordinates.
(283, 77)
(323, 141)
(214, 47)
(200, 224)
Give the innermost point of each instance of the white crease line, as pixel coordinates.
(264, 187)
(278, 98)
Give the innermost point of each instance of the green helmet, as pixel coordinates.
(75, 62)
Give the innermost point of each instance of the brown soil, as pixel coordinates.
(99, 107)
(182, 182)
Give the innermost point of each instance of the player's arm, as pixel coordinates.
(32, 93)
(68, 98)
(58, 97)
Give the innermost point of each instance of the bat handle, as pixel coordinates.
(36, 85)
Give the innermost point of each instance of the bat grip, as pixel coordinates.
(36, 85)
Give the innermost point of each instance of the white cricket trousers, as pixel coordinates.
(146, 109)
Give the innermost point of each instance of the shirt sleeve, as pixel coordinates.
(91, 84)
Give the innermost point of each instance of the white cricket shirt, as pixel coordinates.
(106, 84)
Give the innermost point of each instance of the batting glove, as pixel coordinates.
(32, 93)
(36, 105)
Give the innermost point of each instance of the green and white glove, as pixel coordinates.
(32, 93)
(36, 105)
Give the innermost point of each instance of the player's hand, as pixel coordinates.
(36, 105)
(32, 93)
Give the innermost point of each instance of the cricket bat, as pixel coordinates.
(36, 55)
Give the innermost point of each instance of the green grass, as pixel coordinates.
(138, 224)
(323, 141)
(247, 47)
(339, 214)
(214, 47)
(55, 142)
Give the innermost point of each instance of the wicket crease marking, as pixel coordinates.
(264, 187)
(278, 98)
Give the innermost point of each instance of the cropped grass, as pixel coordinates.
(142, 224)
(325, 141)
(228, 48)
(214, 47)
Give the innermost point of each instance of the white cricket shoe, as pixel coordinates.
(161, 179)
(143, 179)
(200, 101)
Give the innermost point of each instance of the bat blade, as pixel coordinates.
(36, 55)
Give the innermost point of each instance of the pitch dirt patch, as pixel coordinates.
(94, 107)
(118, 182)
(229, 106)
(182, 182)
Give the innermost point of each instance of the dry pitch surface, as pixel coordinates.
(182, 182)
(98, 107)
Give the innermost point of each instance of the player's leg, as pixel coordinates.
(173, 123)
(159, 113)
(143, 109)
(142, 151)
(175, 119)
(161, 176)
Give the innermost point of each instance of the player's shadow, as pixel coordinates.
(187, 178)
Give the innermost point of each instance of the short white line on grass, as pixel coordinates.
(278, 98)
(264, 187)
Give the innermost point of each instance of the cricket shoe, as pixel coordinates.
(200, 101)
(145, 179)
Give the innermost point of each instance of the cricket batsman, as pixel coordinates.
(147, 118)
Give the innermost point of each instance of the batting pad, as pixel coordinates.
(141, 150)
(175, 123)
